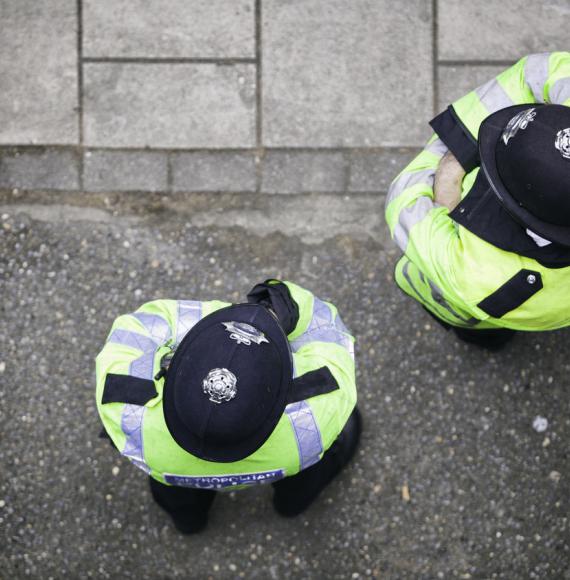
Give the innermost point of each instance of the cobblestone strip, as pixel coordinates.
(34, 168)
(283, 171)
(125, 171)
(214, 171)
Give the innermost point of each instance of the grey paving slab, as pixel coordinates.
(169, 28)
(125, 171)
(39, 169)
(502, 30)
(374, 170)
(488, 496)
(456, 81)
(304, 171)
(213, 171)
(38, 72)
(169, 105)
(339, 73)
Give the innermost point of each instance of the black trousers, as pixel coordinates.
(493, 339)
(189, 507)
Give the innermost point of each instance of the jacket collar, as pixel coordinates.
(483, 215)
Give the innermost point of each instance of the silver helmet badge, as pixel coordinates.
(244, 333)
(519, 121)
(562, 142)
(220, 385)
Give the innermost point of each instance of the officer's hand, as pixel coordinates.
(448, 179)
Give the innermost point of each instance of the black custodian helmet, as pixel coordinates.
(228, 383)
(525, 154)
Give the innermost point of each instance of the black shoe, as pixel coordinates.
(493, 339)
(293, 495)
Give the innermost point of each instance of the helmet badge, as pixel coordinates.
(519, 121)
(244, 333)
(562, 142)
(220, 385)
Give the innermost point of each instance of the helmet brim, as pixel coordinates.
(490, 132)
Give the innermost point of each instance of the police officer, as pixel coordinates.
(488, 252)
(210, 396)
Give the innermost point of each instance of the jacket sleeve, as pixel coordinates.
(135, 337)
(319, 322)
(537, 78)
(319, 340)
(304, 317)
(275, 295)
(421, 227)
(130, 351)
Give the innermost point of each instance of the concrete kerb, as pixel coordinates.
(275, 171)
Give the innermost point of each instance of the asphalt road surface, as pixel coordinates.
(451, 480)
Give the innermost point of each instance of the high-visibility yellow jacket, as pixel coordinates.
(473, 279)
(136, 345)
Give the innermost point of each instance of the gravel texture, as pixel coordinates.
(451, 481)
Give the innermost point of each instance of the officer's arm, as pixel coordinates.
(129, 351)
(419, 225)
(537, 78)
(303, 316)
(135, 337)
(314, 329)
(320, 340)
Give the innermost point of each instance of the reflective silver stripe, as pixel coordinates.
(307, 433)
(322, 328)
(339, 324)
(329, 334)
(322, 315)
(406, 180)
(132, 339)
(409, 280)
(132, 415)
(409, 217)
(560, 91)
(438, 147)
(536, 74)
(493, 96)
(131, 424)
(143, 367)
(156, 326)
(189, 313)
(438, 297)
(436, 293)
